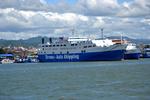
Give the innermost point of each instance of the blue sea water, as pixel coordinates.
(115, 80)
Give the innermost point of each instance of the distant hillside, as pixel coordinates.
(26, 43)
(137, 41)
(37, 40)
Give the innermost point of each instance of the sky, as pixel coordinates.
(23, 19)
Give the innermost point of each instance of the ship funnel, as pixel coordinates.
(50, 40)
(42, 40)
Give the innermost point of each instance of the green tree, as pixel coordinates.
(2, 51)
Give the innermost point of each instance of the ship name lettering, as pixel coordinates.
(71, 56)
(49, 57)
(59, 57)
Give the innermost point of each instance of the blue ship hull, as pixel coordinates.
(146, 56)
(132, 56)
(76, 57)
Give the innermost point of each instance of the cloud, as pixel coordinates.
(39, 22)
(23, 19)
(87, 7)
(136, 8)
(98, 7)
(35, 5)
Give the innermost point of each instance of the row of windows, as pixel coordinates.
(54, 45)
(65, 45)
(58, 45)
(90, 46)
(84, 42)
(73, 44)
(82, 51)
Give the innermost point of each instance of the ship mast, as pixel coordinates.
(121, 39)
(102, 34)
(73, 32)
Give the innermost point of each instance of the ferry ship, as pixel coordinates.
(79, 49)
(146, 51)
(132, 52)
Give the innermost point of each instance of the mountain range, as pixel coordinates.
(33, 42)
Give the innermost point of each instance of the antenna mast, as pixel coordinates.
(73, 32)
(121, 39)
(102, 30)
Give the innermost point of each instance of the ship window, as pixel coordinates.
(94, 45)
(46, 45)
(85, 46)
(64, 45)
(75, 44)
(147, 50)
(61, 45)
(83, 51)
(57, 45)
(72, 44)
(89, 46)
(43, 48)
(53, 45)
(67, 52)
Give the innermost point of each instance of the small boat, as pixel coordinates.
(6, 58)
(7, 61)
(32, 59)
